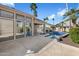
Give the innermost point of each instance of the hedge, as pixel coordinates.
(74, 34)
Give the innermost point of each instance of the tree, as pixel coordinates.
(46, 19)
(33, 8)
(53, 21)
(62, 25)
(72, 15)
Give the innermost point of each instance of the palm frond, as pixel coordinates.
(72, 14)
(33, 7)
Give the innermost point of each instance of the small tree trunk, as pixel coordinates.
(70, 23)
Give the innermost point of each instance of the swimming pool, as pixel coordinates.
(56, 34)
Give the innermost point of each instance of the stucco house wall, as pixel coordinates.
(6, 26)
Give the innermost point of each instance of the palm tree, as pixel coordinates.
(67, 11)
(72, 15)
(67, 6)
(53, 21)
(33, 8)
(46, 19)
(62, 25)
(64, 22)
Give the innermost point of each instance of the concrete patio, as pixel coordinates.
(20, 46)
(55, 48)
(38, 46)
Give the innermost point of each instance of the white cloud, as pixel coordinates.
(8, 4)
(62, 12)
(78, 6)
(51, 16)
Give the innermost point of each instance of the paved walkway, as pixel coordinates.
(58, 49)
(19, 47)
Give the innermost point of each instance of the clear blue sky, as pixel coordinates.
(51, 10)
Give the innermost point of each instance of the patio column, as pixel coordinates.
(25, 27)
(32, 26)
(44, 28)
(14, 26)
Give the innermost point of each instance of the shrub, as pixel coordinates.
(74, 34)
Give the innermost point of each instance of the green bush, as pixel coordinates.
(74, 34)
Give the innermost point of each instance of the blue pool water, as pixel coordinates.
(55, 33)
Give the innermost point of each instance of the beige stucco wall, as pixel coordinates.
(6, 26)
(38, 29)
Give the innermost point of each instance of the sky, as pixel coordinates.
(50, 10)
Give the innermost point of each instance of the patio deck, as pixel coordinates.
(39, 45)
(20, 46)
(58, 49)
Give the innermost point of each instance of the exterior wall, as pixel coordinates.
(20, 23)
(66, 26)
(6, 26)
(29, 23)
(19, 26)
(57, 28)
(38, 29)
(38, 26)
(23, 22)
(6, 23)
(6, 14)
(48, 28)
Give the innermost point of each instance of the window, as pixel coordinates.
(28, 20)
(19, 17)
(6, 14)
